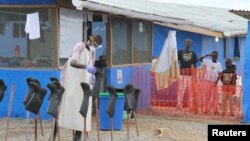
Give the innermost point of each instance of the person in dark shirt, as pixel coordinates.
(228, 78)
(187, 59)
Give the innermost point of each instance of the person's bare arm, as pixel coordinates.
(75, 64)
(202, 57)
(219, 77)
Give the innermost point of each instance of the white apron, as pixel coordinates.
(69, 116)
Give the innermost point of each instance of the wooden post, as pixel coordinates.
(84, 132)
(52, 134)
(97, 119)
(137, 130)
(128, 115)
(35, 129)
(9, 111)
(57, 129)
(41, 124)
(111, 125)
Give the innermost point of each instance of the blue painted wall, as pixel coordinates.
(209, 45)
(127, 75)
(160, 33)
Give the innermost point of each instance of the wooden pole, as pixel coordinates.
(97, 119)
(57, 129)
(35, 130)
(52, 134)
(84, 132)
(9, 111)
(41, 124)
(128, 115)
(137, 130)
(111, 124)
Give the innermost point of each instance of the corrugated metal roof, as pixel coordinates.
(216, 19)
(126, 12)
(242, 13)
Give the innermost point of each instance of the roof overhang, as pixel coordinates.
(194, 29)
(181, 24)
(126, 12)
(242, 13)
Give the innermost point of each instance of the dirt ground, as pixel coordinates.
(177, 127)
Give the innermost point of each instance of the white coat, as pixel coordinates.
(69, 116)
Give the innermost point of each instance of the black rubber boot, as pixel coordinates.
(98, 83)
(129, 97)
(57, 83)
(112, 100)
(60, 89)
(3, 88)
(77, 136)
(31, 90)
(53, 79)
(85, 103)
(36, 100)
(54, 103)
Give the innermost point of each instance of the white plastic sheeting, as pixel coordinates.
(169, 52)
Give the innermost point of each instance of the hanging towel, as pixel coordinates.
(166, 67)
(32, 26)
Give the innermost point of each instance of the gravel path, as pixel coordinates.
(177, 128)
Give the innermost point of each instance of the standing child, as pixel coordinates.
(228, 78)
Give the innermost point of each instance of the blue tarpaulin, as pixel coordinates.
(27, 2)
(246, 80)
(17, 78)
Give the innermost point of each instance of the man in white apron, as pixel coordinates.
(77, 69)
